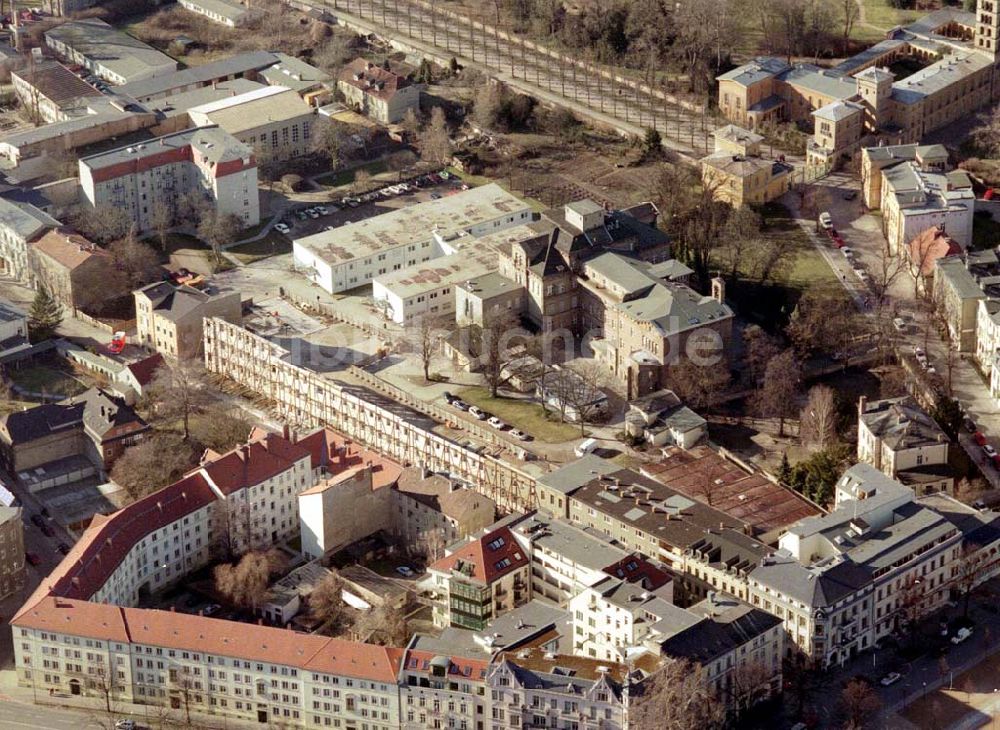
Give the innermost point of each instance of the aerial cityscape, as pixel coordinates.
(500, 364)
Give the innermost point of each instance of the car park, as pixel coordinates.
(282, 228)
(890, 679)
(496, 422)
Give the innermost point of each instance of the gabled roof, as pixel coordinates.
(69, 249)
(253, 463)
(485, 559)
(143, 370)
(372, 79)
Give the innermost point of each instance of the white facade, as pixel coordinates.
(355, 254)
(220, 11)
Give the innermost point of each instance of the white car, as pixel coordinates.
(989, 450)
(961, 636)
(519, 435)
(890, 679)
(282, 228)
(825, 221)
(322, 210)
(312, 214)
(847, 251)
(125, 724)
(900, 324)
(477, 412)
(496, 422)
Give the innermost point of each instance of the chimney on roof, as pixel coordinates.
(862, 404)
(284, 432)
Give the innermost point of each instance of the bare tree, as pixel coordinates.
(698, 385)
(362, 180)
(986, 134)
(246, 583)
(859, 703)
(495, 340)
(181, 390)
(818, 422)
(424, 338)
(581, 389)
(973, 567)
(435, 141)
(850, 11)
(219, 230)
(777, 396)
(760, 347)
(103, 224)
(330, 138)
(151, 464)
(136, 260)
(161, 218)
(411, 123)
(749, 683)
(677, 697)
(327, 606)
(385, 626)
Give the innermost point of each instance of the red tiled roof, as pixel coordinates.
(635, 568)
(68, 248)
(930, 245)
(143, 370)
(417, 660)
(107, 540)
(72, 616)
(374, 80)
(338, 453)
(253, 463)
(490, 557)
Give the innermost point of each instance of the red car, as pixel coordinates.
(838, 241)
(33, 558)
(979, 438)
(117, 343)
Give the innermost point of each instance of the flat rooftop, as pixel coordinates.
(112, 49)
(238, 64)
(266, 105)
(213, 142)
(181, 103)
(413, 225)
(710, 478)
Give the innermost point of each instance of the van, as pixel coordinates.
(587, 446)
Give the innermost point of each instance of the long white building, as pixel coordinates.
(207, 161)
(355, 254)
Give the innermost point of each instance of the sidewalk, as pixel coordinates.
(152, 716)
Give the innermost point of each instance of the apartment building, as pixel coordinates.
(480, 580)
(70, 268)
(12, 573)
(924, 252)
(207, 161)
(108, 53)
(860, 100)
(432, 511)
(736, 172)
(442, 683)
(273, 121)
(897, 437)
(169, 318)
(914, 200)
(20, 224)
(377, 92)
(928, 158)
(534, 688)
(614, 616)
(357, 253)
(960, 284)
(96, 424)
(363, 415)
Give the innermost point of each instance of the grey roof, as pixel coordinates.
(725, 624)
(838, 110)
(214, 143)
(179, 103)
(932, 22)
(524, 623)
(582, 548)
(868, 56)
(575, 474)
(901, 423)
(734, 133)
(56, 130)
(231, 66)
(671, 269)
(813, 587)
(953, 270)
(23, 220)
(222, 8)
(294, 73)
(96, 409)
(822, 81)
(112, 49)
(175, 302)
(487, 286)
(875, 73)
(894, 543)
(757, 70)
(680, 418)
(584, 207)
(940, 75)
(9, 313)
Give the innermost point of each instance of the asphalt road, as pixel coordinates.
(16, 716)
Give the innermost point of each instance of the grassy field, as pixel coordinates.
(346, 177)
(43, 379)
(879, 13)
(528, 417)
(270, 245)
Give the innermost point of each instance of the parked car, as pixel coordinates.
(969, 424)
(838, 242)
(979, 504)
(450, 398)
(519, 435)
(825, 221)
(47, 530)
(850, 195)
(406, 571)
(900, 324)
(63, 548)
(33, 558)
(847, 251)
(211, 609)
(282, 228)
(890, 679)
(989, 450)
(37, 520)
(125, 724)
(322, 210)
(496, 422)
(460, 405)
(961, 636)
(435, 196)
(979, 437)
(479, 413)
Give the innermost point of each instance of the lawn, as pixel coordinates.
(528, 417)
(346, 177)
(880, 13)
(475, 181)
(270, 245)
(45, 379)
